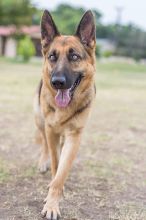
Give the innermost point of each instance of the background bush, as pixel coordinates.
(26, 48)
(107, 53)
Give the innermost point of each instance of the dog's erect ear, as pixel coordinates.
(48, 29)
(86, 30)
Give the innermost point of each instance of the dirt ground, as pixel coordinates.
(108, 178)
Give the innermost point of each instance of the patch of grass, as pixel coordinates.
(29, 172)
(121, 67)
(18, 84)
(4, 172)
(128, 211)
(98, 169)
(103, 138)
(120, 161)
(18, 60)
(121, 75)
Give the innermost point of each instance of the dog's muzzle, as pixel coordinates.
(65, 91)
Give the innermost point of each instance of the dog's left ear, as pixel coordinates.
(86, 30)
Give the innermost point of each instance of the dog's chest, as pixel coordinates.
(57, 121)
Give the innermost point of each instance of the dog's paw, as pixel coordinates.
(43, 165)
(51, 208)
(51, 211)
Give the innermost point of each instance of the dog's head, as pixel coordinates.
(69, 60)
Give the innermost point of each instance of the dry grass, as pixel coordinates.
(108, 180)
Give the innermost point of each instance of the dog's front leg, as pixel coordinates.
(53, 142)
(69, 151)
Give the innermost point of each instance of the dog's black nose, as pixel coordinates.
(58, 82)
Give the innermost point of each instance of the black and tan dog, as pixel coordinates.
(64, 100)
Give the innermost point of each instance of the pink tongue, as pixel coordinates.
(62, 98)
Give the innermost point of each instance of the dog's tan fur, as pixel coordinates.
(56, 125)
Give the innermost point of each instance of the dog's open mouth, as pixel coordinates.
(64, 96)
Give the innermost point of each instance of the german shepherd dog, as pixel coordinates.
(63, 100)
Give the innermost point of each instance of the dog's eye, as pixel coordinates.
(74, 57)
(53, 58)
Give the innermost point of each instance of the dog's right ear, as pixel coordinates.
(48, 29)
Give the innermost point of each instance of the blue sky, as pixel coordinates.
(133, 11)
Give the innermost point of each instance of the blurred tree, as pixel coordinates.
(67, 17)
(17, 12)
(131, 41)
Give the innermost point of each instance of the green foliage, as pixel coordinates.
(129, 40)
(107, 53)
(17, 12)
(67, 17)
(97, 51)
(26, 49)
